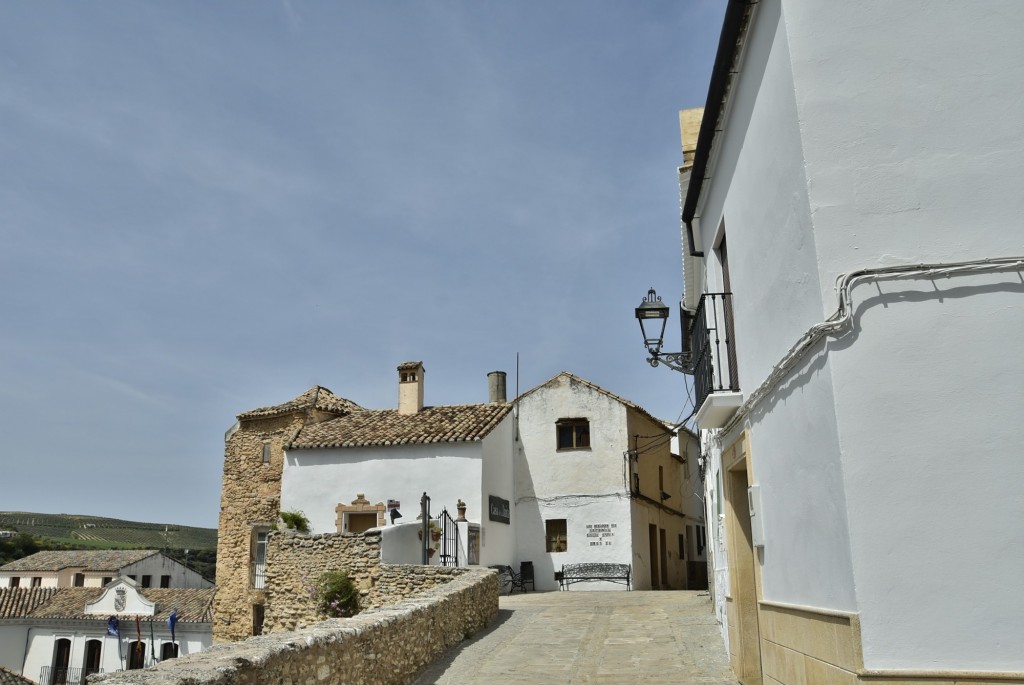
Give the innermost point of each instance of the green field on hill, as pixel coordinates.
(95, 532)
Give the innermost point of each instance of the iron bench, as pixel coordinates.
(508, 579)
(577, 573)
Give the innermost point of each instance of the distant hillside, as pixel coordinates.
(104, 533)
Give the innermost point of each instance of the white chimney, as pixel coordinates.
(410, 387)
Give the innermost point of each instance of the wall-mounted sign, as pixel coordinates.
(498, 509)
(601, 534)
(394, 504)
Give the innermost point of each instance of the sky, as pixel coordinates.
(211, 207)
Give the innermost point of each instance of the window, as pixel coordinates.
(168, 650)
(573, 434)
(555, 533)
(136, 655)
(15, 581)
(266, 452)
(147, 581)
(37, 581)
(106, 580)
(165, 581)
(132, 576)
(79, 580)
(682, 546)
(259, 559)
(701, 540)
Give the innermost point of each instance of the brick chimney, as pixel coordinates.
(410, 387)
(496, 386)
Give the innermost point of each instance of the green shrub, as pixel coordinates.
(336, 595)
(295, 520)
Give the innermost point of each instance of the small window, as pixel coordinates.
(701, 540)
(573, 434)
(106, 580)
(555, 532)
(37, 581)
(79, 580)
(147, 581)
(15, 581)
(132, 576)
(169, 650)
(165, 581)
(682, 546)
(266, 453)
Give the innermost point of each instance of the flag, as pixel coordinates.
(152, 641)
(172, 620)
(138, 632)
(113, 626)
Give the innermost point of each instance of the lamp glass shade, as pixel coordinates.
(652, 312)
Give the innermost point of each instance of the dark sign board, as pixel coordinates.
(498, 509)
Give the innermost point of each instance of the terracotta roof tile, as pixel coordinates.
(12, 678)
(90, 560)
(18, 602)
(192, 605)
(316, 397)
(406, 366)
(451, 423)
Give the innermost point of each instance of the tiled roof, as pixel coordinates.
(90, 560)
(406, 366)
(598, 388)
(452, 423)
(12, 678)
(17, 602)
(192, 605)
(314, 398)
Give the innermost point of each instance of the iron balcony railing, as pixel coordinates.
(50, 675)
(713, 347)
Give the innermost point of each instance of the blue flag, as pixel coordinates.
(172, 620)
(113, 626)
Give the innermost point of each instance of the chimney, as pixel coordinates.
(496, 386)
(410, 387)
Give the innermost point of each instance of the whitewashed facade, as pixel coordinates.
(62, 635)
(614, 499)
(856, 190)
(96, 568)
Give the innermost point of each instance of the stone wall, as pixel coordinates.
(294, 562)
(383, 646)
(250, 496)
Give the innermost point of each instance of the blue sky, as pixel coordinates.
(210, 207)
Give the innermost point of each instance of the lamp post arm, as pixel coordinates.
(677, 361)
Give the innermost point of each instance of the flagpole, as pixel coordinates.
(152, 641)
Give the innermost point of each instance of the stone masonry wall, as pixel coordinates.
(294, 562)
(384, 646)
(250, 496)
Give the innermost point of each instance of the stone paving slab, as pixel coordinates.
(592, 638)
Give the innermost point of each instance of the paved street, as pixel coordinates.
(571, 638)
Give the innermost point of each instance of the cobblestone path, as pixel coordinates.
(572, 638)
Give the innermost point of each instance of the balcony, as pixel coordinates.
(50, 675)
(715, 380)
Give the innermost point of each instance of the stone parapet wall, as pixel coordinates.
(294, 562)
(383, 646)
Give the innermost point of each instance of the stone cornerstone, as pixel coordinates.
(383, 646)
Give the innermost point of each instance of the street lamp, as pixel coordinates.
(653, 316)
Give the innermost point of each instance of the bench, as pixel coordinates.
(508, 579)
(577, 573)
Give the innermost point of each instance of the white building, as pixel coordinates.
(854, 228)
(597, 480)
(96, 568)
(61, 635)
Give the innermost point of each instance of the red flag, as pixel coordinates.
(138, 631)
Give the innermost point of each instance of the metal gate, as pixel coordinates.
(440, 536)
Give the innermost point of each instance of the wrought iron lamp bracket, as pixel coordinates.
(677, 361)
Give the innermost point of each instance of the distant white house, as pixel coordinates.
(58, 636)
(598, 481)
(96, 568)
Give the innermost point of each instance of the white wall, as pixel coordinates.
(912, 139)
(159, 565)
(760, 192)
(315, 481)
(585, 487)
(191, 639)
(498, 540)
(12, 646)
